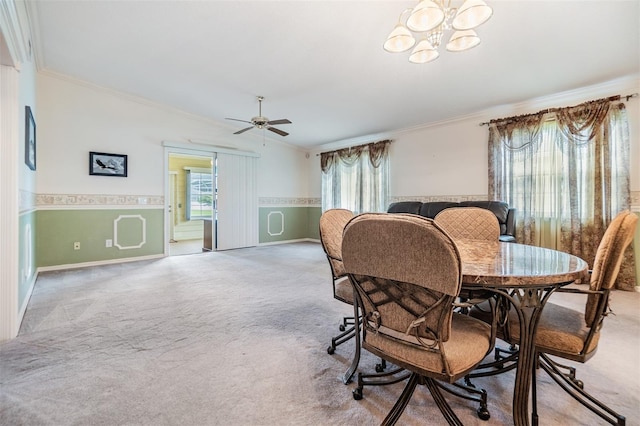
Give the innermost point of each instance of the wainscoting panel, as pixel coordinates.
(131, 232)
(288, 223)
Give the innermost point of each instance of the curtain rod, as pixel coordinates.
(544, 111)
(355, 146)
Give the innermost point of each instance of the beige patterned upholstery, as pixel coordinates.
(609, 255)
(472, 223)
(332, 223)
(407, 273)
(571, 334)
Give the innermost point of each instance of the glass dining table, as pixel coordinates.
(524, 276)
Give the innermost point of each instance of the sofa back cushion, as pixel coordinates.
(431, 209)
(412, 207)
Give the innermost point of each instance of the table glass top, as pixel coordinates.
(511, 264)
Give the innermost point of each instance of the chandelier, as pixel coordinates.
(433, 18)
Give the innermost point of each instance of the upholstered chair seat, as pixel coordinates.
(560, 330)
(462, 349)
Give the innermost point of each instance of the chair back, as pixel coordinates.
(332, 223)
(407, 273)
(606, 265)
(473, 223)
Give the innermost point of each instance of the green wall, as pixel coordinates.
(313, 230)
(299, 223)
(58, 230)
(27, 259)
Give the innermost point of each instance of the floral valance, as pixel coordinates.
(377, 150)
(578, 123)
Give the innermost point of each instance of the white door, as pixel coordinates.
(236, 201)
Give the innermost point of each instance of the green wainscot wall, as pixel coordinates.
(132, 233)
(288, 223)
(27, 259)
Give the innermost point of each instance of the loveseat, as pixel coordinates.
(505, 215)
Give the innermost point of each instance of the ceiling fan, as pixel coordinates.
(261, 122)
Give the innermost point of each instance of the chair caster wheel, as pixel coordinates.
(341, 328)
(379, 368)
(483, 413)
(357, 394)
(331, 350)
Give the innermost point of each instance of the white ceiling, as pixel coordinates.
(321, 63)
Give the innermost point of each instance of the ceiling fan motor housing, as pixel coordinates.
(259, 121)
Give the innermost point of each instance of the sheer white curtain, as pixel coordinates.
(356, 178)
(566, 171)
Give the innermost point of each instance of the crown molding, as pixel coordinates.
(13, 33)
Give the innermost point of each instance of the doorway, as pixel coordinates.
(230, 215)
(191, 203)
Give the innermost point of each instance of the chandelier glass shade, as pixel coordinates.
(433, 18)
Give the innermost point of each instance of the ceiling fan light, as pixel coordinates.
(471, 14)
(399, 40)
(463, 40)
(425, 16)
(424, 52)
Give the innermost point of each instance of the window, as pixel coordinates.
(566, 171)
(199, 194)
(356, 178)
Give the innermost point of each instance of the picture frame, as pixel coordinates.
(29, 139)
(105, 164)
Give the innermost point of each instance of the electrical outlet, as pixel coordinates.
(108, 243)
(76, 245)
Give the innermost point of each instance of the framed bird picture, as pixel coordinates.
(30, 139)
(104, 164)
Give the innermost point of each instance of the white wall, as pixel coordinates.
(450, 158)
(283, 171)
(75, 118)
(27, 97)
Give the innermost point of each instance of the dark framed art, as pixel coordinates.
(104, 164)
(29, 139)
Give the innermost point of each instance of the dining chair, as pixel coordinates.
(332, 223)
(407, 274)
(473, 223)
(574, 335)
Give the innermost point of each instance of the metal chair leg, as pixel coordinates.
(569, 384)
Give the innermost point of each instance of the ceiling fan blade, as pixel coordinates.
(281, 121)
(235, 119)
(243, 130)
(278, 131)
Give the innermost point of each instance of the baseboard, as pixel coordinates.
(25, 303)
(98, 263)
(289, 241)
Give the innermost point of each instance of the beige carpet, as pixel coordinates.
(240, 338)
